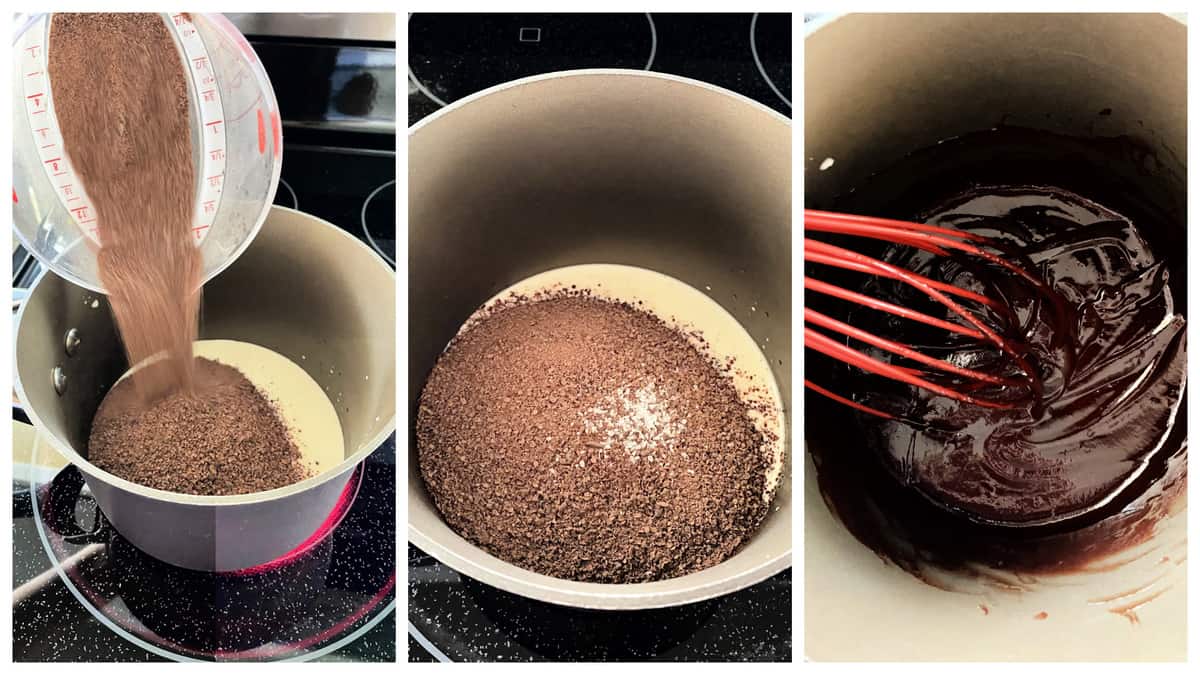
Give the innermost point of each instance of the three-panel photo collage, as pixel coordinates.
(612, 337)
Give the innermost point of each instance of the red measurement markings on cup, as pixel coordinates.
(57, 166)
(39, 106)
(277, 134)
(262, 133)
(83, 214)
(38, 102)
(204, 66)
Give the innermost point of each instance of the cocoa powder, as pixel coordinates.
(186, 425)
(586, 439)
(222, 438)
(121, 99)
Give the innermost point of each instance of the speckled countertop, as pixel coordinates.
(341, 586)
(452, 56)
(455, 618)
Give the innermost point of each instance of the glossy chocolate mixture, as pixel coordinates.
(1109, 349)
(1091, 464)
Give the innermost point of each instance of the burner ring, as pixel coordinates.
(295, 200)
(762, 70)
(66, 560)
(416, 81)
(427, 644)
(363, 221)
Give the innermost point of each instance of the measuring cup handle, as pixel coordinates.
(58, 509)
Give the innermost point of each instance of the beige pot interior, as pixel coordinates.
(617, 167)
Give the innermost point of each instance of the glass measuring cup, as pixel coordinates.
(236, 146)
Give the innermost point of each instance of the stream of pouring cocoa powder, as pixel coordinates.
(121, 99)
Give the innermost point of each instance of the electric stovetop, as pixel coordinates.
(99, 598)
(453, 617)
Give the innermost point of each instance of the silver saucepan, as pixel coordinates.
(303, 288)
(600, 166)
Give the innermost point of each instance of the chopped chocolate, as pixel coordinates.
(223, 438)
(586, 439)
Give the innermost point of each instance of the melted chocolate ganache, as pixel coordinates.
(1109, 353)
(1088, 466)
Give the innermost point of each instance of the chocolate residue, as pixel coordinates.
(1129, 610)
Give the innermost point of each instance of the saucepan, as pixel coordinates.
(600, 166)
(880, 87)
(305, 289)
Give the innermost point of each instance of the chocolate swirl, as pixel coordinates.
(1109, 346)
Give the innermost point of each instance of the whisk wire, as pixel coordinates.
(937, 241)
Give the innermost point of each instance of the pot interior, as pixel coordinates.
(1092, 103)
(596, 167)
(918, 79)
(303, 288)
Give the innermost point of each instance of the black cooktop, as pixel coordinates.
(455, 55)
(331, 598)
(337, 101)
(453, 617)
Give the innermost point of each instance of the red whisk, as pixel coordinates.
(938, 241)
